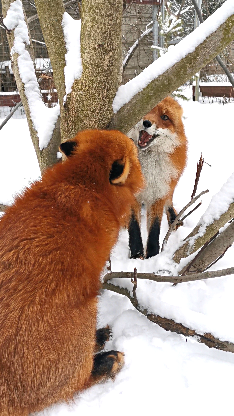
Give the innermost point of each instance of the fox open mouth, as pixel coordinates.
(145, 139)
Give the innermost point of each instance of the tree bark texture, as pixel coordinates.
(89, 105)
(212, 252)
(194, 241)
(173, 78)
(50, 13)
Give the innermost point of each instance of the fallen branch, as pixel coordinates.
(169, 279)
(169, 325)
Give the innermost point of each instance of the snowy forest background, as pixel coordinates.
(164, 371)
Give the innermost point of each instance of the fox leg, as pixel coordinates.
(154, 218)
(170, 210)
(102, 336)
(134, 230)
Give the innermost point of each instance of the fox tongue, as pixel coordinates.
(144, 138)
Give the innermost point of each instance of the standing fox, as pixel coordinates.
(162, 150)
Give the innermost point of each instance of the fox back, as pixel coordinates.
(54, 242)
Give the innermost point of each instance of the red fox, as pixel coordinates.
(54, 242)
(162, 151)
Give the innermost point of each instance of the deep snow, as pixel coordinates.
(164, 373)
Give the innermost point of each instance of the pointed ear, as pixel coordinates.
(68, 147)
(119, 171)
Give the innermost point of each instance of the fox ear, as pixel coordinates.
(68, 147)
(119, 172)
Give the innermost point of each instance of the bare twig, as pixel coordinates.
(190, 212)
(10, 115)
(198, 173)
(135, 46)
(170, 325)
(177, 219)
(170, 279)
(134, 281)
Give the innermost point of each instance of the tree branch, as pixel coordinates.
(212, 252)
(178, 217)
(198, 173)
(135, 46)
(194, 241)
(172, 78)
(169, 325)
(169, 279)
(54, 38)
(11, 114)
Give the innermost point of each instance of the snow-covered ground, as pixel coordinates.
(164, 373)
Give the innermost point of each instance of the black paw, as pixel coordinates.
(107, 364)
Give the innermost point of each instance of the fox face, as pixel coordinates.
(160, 128)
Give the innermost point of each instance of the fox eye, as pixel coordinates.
(164, 117)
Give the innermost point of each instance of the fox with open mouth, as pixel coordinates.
(162, 151)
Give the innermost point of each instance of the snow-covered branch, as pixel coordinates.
(219, 212)
(173, 69)
(170, 325)
(41, 120)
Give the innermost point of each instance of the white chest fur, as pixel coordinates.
(157, 166)
(158, 171)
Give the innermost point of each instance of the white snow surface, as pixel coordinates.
(43, 118)
(164, 373)
(175, 53)
(73, 68)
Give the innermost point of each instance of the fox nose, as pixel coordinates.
(147, 123)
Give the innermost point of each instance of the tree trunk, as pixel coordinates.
(89, 105)
(47, 156)
(50, 13)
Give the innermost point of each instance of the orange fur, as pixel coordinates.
(162, 149)
(54, 242)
